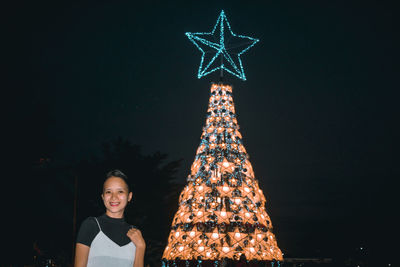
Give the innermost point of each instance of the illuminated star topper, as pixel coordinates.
(222, 46)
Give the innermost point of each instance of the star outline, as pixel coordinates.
(196, 38)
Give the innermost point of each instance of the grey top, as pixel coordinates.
(105, 253)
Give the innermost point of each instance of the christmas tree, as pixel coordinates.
(221, 211)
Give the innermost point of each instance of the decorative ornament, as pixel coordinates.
(221, 43)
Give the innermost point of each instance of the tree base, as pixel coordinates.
(220, 263)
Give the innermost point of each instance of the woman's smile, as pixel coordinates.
(115, 196)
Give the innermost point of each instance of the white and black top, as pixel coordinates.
(108, 242)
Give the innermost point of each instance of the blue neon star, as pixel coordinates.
(205, 40)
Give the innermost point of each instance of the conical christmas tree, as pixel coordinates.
(221, 211)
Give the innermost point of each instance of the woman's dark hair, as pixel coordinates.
(119, 174)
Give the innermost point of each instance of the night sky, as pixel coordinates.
(318, 113)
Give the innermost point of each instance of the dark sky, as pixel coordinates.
(318, 113)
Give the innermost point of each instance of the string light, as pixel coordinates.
(203, 40)
(222, 201)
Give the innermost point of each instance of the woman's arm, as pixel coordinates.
(81, 255)
(136, 237)
(139, 257)
(87, 232)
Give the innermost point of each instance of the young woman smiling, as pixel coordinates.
(108, 240)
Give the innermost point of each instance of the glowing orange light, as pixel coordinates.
(216, 193)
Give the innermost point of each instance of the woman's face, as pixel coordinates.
(115, 196)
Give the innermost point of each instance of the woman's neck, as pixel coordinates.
(115, 215)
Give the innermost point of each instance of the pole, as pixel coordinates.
(74, 216)
(222, 69)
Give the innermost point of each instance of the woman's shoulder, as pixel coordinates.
(90, 225)
(88, 230)
(89, 222)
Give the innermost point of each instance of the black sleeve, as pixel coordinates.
(87, 232)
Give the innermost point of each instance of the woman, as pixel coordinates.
(108, 240)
